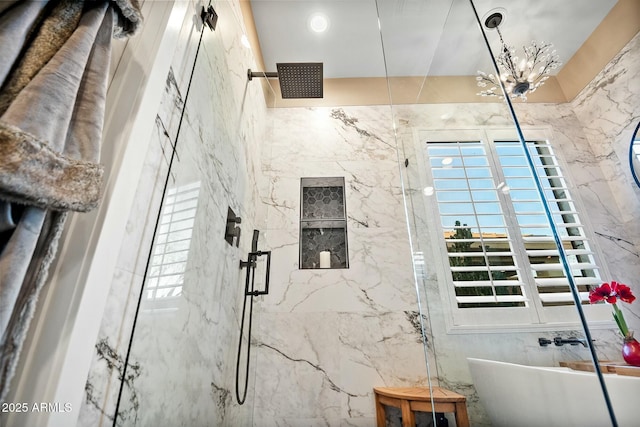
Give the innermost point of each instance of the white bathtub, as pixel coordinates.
(522, 396)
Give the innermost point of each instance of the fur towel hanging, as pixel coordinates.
(54, 63)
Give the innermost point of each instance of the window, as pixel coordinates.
(501, 259)
(168, 263)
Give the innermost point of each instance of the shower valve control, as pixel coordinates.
(231, 231)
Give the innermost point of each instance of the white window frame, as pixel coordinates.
(533, 317)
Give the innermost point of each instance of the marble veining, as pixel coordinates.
(417, 320)
(350, 121)
(222, 398)
(332, 385)
(173, 91)
(115, 364)
(623, 244)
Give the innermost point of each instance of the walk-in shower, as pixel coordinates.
(491, 285)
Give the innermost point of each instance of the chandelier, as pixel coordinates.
(519, 76)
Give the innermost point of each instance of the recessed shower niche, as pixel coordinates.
(323, 223)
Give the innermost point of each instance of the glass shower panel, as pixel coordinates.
(328, 337)
(182, 364)
(490, 254)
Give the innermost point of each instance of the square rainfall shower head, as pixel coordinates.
(300, 79)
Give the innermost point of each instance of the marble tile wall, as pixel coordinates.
(609, 111)
(327, 337)
(182, 363)
(351, 330)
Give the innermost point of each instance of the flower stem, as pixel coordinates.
(619, 318)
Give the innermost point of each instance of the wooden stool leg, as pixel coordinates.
(408, 417)
(462, 419)
(380, 414)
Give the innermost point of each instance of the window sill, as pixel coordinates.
(547, 327)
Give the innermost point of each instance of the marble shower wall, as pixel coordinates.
(327, 337)
(182, 365)
(609, 110)
(587, 134)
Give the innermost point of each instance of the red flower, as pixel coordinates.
(602, 292)
(611, 295)
(623, 292)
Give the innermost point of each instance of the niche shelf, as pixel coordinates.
(323, 223)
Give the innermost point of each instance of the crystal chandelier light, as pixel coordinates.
(519, 76)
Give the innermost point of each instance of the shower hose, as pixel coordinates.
(250, 271)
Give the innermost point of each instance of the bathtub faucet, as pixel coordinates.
(558, 341)
(544, 342)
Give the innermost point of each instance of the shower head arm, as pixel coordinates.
(252, 74)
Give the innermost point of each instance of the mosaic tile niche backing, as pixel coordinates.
(323, 202)
(323, 225)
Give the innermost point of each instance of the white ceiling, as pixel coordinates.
(416, 37)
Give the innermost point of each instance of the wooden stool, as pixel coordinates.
(410, 399)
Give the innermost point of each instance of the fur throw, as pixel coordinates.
(128, 20)
(54, 65)
(52, 99)
(65, 183)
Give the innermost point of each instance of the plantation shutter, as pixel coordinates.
(482, 262)
(541, 250)
(499, 243)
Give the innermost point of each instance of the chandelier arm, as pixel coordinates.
(506, 60)
(485, 80)
(536, 54)
(547, 68)
(535, 61)
(488, 81)
(549, 65)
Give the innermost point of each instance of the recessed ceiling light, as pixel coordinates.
(318, 23)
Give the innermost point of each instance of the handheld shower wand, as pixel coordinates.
(250, 291)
